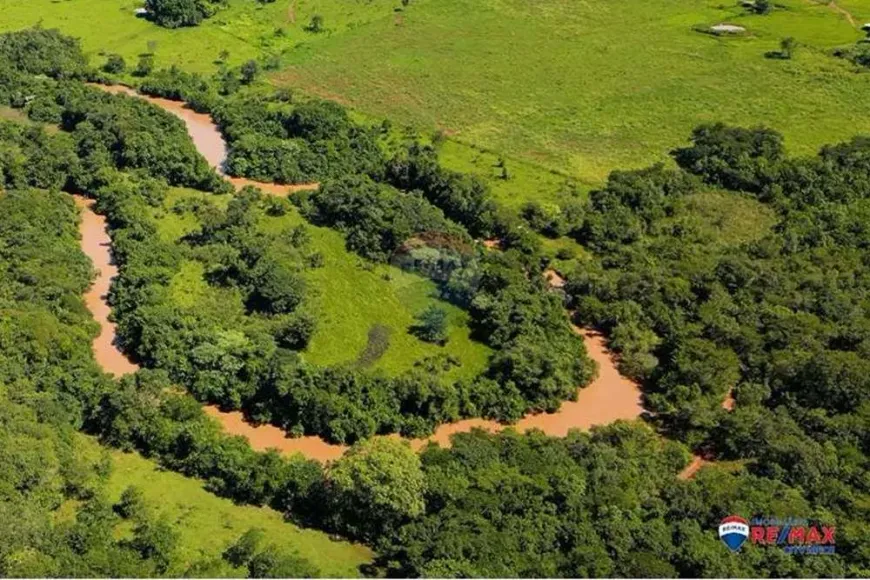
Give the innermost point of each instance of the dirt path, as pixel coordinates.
(692, 468)
(554, 279)
(833, 4)
(837, 8)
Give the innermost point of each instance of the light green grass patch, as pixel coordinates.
(592, 86)
(551, 247)
(349, 296)
(525, 182)
(733, 217)
(207, 524)
(15, 115)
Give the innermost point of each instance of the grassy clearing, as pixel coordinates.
(208, 524)
(15, 115)
(732, 218)
(525, 181)
(348, 296)
(351, 296)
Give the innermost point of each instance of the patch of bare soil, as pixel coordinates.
(692, 468)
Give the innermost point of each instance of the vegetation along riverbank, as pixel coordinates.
(235, 266)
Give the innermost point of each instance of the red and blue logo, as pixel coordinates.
(793, 535)
(733, 531)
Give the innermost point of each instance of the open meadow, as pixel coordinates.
(578, 88)
(209, 524)
(349, 298)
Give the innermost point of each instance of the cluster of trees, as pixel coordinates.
(178, 13)
(272, 140)
(375, 218)
(39, 51)
(778, 316)
(463, 198)
(858, 53)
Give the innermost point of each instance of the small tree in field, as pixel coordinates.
(431, 325)
(249, 72)
(316, 24)
(762, 6)
(145, 65)
(787, 46)
(115, 64)
(132, 504)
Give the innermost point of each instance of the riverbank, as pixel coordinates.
(608, 398)
(96, 244)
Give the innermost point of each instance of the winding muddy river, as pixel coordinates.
(207, 138)
(608, 398)
(96, 243)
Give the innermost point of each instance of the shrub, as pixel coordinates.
(431, 325)
(316, 24)
(115, 64)
(145, 65)
(132, 504)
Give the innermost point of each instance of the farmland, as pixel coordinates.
(614, 86)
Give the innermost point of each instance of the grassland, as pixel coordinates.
(730, 217)
(208, 524)
(587, 87)
(347, 296)
(561, 88)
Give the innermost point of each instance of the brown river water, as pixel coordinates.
(609, 397)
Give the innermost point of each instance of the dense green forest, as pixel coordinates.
(56, 519)
(779, 315)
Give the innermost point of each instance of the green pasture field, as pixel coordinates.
(208, 524)
(587, 87)
(347, 295)
(558, 87)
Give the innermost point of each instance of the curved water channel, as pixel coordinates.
(609, 397)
